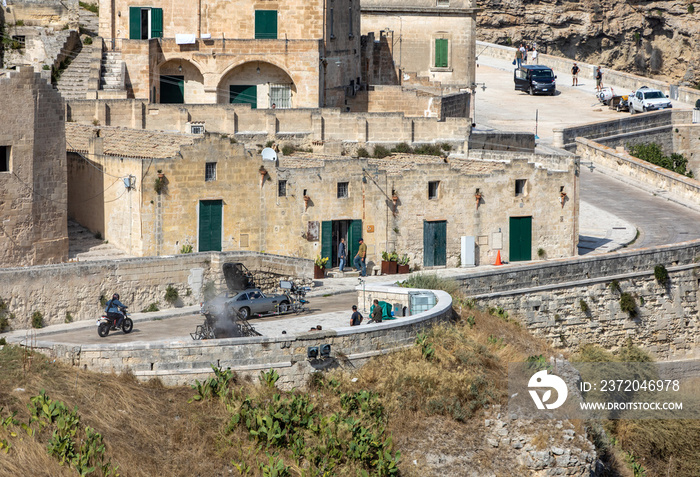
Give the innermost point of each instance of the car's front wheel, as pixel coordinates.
(245, 312)
(284, 307)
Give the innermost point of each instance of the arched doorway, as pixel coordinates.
(180, 82)
(260, 84)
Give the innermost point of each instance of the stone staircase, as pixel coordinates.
(74, 80)
(112, 75)
(84, 247)
(89, 22)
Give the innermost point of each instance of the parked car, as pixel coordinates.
(535, 79)
(252, 302)
(648, 99)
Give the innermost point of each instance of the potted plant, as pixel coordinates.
(320, 267)
(404, 262)
(159, 184)
(386, 264)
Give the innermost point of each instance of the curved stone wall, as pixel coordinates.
(181, 362)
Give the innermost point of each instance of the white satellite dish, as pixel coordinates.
(269, 154)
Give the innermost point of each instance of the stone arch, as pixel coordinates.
(259, 82)
(174, 69)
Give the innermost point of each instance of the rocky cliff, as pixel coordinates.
(659, 39)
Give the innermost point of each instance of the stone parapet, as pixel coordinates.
(182, 362)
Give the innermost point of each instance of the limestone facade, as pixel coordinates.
(430, 39)
(293, 54)
(33, 177)
(302, 204)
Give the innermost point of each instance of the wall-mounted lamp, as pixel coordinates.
(179, 67)
(263, 173)
(477, 197)
(257, 70)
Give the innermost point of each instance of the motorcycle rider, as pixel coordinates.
(113, 310)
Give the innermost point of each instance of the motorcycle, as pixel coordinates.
(105, 323)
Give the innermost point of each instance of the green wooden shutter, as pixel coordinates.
(266, 24)
(520, 239)
(354, 234)
(327, 241)
(441, 53)
(134, 23)
(428, 245)
(210, 214)
(440, 243)
(156, 23)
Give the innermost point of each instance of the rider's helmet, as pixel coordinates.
(115, 296)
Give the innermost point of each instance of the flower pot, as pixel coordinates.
(319, 272)
(403, 269)
(389, 268)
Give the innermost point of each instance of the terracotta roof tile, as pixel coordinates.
(127, 142)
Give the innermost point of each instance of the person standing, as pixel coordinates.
(342, 254)
(518, 57)
(523, 49)
(599, 79)
(534, 55)
(377, 312)
(360, 258)
(356, 318)
(574, 75)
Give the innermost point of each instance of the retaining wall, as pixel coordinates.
(76, 287)
(182, 362)
(679, 188)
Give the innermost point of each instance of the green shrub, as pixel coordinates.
(614, 286)
(98, 235)
(430, 281)
(87, 41)
(159, 184)
(37, 320)
(445, 146)
(541, 253)
(151, 308)
(403, 148)
(20, 23)
(691, 9)
(627, 304)
(538, 362)
(584, 306)
(362, 152)
(186, 249)
(90, 7)
(288, 149)
(46, 67)
(269, 378)
(171, 294)
(471, 321)
(5, 315)
(428, 150)
(661, 275)
(103, 301)
(381, 152)
(69, 318)
(652, 152)
(3, 341)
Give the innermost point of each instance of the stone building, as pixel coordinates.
(268, 54)
(33, 192)
(421, 41)
(217, 195)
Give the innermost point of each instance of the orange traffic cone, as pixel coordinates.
(498, 259)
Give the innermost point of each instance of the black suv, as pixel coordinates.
(535, 79)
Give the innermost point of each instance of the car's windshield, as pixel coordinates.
(654, 95)
(542, 74)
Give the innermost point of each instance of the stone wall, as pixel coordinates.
(665, 322)
(411, 102)
(54, 290)
(678, 187)
(251, 125)
(502, 141)
(33, 191)
(46, 13)
(182, 362)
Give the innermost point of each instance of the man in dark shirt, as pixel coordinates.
(356, 317)
(377, 312)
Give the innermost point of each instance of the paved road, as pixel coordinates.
(659, 221)
(179, 328)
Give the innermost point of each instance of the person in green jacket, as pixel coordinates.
(359, 261)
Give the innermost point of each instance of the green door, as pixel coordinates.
(354, 234)
(520, 239)
(210, 214)
(172, 89)
(441, 53)
(327, 241)
(435, 243)
(244, 94)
